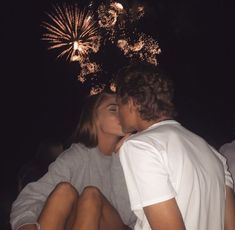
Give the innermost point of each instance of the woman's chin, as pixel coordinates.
(122, 134)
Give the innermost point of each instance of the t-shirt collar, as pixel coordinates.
(160, 123)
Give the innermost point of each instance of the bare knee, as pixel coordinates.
(58, 206)
(93, 194)
(91, 191)
(64, 190)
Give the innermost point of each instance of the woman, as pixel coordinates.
(85, 187)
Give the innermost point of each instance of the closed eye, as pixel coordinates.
(113, 108)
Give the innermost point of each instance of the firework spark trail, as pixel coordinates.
(112, 19)
(96, 89)
(145, 48)
(115, 19)
(74, 31)
(99, 88)
(86, 69)
(77, 34)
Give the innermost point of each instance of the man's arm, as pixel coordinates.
(229, 222)
(165, 215)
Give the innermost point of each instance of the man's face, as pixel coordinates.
(127, 116)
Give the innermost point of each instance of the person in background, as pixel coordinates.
(228, 150)
(47, 152)
(84, 187)
(175, 179)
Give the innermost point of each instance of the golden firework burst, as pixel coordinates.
(72, 30)
(77, 34)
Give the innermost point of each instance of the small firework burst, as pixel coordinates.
(108, 18)
(97, 89)
(112, 18)
(73, 31)
(86, 69)
(136, 13)
(144, 48)
(117, 6)
(109, 14)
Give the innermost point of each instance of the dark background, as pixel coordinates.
(42, 98)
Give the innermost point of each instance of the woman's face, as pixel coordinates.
(108, 117)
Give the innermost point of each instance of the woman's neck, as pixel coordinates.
(107, 144)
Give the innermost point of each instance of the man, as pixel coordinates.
(175, 179)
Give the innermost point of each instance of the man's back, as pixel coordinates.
(194, 174)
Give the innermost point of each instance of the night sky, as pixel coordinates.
(42, 97)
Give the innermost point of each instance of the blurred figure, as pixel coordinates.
(48, 150)
(228, 150)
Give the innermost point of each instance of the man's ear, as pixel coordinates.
(132, 105)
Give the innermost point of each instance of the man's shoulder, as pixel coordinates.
(154, 132)
(153, 137)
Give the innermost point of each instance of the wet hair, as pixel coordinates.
(86, 132)
(149, 88)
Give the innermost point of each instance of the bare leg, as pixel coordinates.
(110, 218)
(65, 210)
(59, 208)
(94, 212)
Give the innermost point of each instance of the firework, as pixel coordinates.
(109, 14)
(112, 19)
(136, 13)
(88, 68)
(74, 32)
(144, 48)
(97, 89)
(100, 87)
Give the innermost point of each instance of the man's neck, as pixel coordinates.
(143, 124)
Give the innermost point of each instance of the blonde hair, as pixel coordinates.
(86, 132)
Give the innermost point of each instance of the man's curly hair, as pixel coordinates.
(149, 88)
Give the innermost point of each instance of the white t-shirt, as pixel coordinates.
(228, 150)
(165, 161)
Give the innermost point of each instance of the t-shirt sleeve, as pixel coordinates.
(228, 177)
(146, 174)
(30, 201)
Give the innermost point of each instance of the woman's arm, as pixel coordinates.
(28, 205)
(229, 210)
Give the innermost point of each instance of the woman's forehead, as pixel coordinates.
(110, 98)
